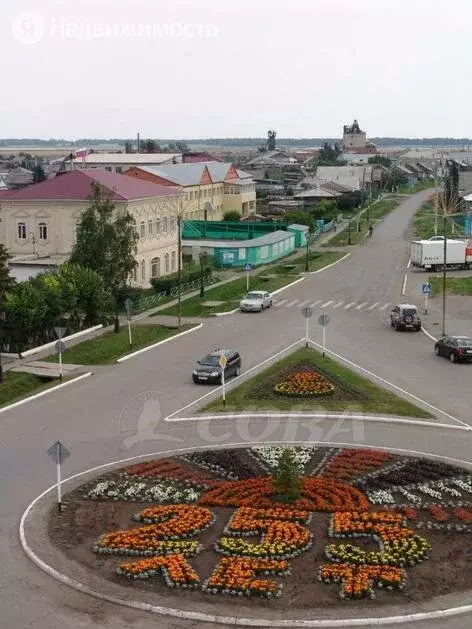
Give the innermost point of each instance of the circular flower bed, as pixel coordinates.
(304, 384)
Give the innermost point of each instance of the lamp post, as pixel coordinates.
(307, 261)
(444, 275)
(203, 256)
(179, 269)
(349, 241)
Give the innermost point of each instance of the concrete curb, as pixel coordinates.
(279, 290)
(224, 314)
(154, 345)
(328, 266)
(76, 335)
(46, 392)
(213, 618)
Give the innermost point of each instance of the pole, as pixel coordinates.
(435, 207)
(307, 261)
(179, 272)
(349, 232)
(426, 303)
(444, 278)
(58, 472)
(324, 340)
(129, 325)
(247, 281)
(202, 281)
(224, 387)
(60, 363)
(306, 332)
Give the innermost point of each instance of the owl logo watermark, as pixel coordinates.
(28, 28)
(141, 418)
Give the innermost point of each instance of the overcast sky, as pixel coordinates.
(224, 68)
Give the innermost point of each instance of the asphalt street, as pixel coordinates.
(120, 410)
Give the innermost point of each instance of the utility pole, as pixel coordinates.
(444, 276)
(179, 270)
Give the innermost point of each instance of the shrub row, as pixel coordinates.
(167, 283)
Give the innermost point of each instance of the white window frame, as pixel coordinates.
(142, 229)
(21, 230)
(155, 267)
(165, 225)
(43, 230)
(151, 227)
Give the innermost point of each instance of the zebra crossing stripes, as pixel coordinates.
(340, 303)
(280, 303)
(384, 307)
(360, 306)
(303, 303)
(315, 303)
(349, 305)
(327, 304)
(321, 304)
(374, 306)
(291, 303)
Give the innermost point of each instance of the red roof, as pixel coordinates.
(76, 186)
(202, 156)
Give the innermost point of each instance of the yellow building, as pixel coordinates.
(39, 223)
(220, 184)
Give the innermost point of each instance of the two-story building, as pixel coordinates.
(216, 185)
(119, 162)
(39, 223)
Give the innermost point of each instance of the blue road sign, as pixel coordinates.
(426, 289)
(248, 267)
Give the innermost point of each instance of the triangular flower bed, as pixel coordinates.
(304, 382)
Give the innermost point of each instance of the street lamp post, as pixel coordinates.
(203, 256)
(179, 269)
(444, 275)
(307, 261)
(349, 242)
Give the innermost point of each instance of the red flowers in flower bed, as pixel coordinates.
(170, 468)
(318, 494)
(439, 513)
(238, 576)
(358, 581)
(176, 570)
(463, 515)
(304, 384)
(349, 464)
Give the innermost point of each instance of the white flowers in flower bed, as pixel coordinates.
(163, 491)
(448, 490)
(429, 491)
(464, 483)
(270, 455)
(416, 500)
(381, 497)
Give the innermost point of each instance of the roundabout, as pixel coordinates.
(210, 539)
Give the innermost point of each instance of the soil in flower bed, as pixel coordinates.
(446, 570)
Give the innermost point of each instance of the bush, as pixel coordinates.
(232, 216)
(166, 284)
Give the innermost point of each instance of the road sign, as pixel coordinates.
(323, 320)
(59, 332)
(58, 452)
(60, 347)
(426, 289)
(248, 267)
(307, 312)
(128, 304)
(223, 361)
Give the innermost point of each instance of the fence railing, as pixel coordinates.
(149, 301)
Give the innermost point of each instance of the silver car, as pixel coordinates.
(256, 301)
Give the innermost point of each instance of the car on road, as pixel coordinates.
(405, 317)
(256, 301)
(456, 348)
(436, 238)
(208, 369)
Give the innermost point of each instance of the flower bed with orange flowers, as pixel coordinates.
(215, 523)
(304, 384)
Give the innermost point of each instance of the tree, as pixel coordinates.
(452, 181)
(6, 281)
(380, 159)
(129, 147)
(232, 215)
(149, 146)
(83, 293)
(326, 210)
(328, 155)
(25, 309)
(301, 218)
(286, 477)
(106, 244)
(182, 147)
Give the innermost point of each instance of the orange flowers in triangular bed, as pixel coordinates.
(304, 383)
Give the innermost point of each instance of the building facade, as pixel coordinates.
(211, 188)
(41, 221)
(119, 162)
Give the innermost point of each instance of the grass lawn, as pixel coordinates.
(229, 294)
(18, 385)
(423, 224)
(369, 217)
(106, 349)
(317, 260)
(351, 391)
(454, 285)
(422, 185)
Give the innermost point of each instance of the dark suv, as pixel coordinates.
(208, 369)
(405, 317)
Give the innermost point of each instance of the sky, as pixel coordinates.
(234, 68)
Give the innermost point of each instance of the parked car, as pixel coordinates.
(405, 317)
(208, 368)
(456, 348)
(256, 301)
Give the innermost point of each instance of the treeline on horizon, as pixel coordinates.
(227, 142)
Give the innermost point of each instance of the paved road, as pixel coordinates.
(97, 418)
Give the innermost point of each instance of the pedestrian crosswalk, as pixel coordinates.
(324, 304)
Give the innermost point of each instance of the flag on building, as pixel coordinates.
(82, 153)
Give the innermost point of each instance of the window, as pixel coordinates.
(43, 231)
(151, 228)
(164, 224)
(172, 224)
(142, 229)
(158, 226)
(242, 253)
(108, 168)
(21, 231)
(155, 267)
(264, 252)
(173, 261)
(143, 270)
(167, 262)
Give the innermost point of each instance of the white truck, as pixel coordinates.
(429, 254)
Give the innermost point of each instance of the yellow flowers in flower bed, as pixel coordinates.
(358, 581)
(238, 576)
(304, 383)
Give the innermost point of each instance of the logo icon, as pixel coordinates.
(28, 28)
(141, 417)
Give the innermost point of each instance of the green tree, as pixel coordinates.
(326, 210)
(129, 147)
(380, 159)
(286, 477)
(38, 173)
(328, 155)
(107, 244)
(232, 215)
(26, 310)
(301, 218)
(49, 286)
(149, 146)
(6, 281)
(83, 293)
(182, 147)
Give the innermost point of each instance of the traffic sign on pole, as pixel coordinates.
(426, 289)
(59, 331)
(223, 362)
(58, 453)
(129, 305)
(248, 269)
(323, 320)
(307, 312)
